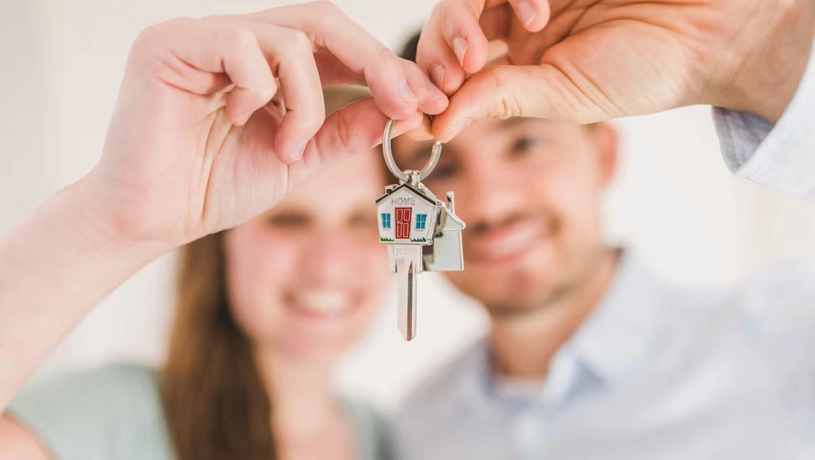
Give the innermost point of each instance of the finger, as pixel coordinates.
(532, 14)
(421, 132)
(217, 49)
(438, 60)
(539, 91)
(433, 101)
(355, 128)
(498, 51)
(303, 96)
(381, 70)
(452, 43)
(290, 57)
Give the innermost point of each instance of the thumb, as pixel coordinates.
(507, 91)
(356, 128)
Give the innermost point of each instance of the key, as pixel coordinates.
(422, 232)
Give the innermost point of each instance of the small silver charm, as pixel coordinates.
(422, 232)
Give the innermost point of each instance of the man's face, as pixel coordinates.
(529, 191)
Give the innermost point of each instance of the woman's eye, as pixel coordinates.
(365, 221)
(287, 220)
(524, 145)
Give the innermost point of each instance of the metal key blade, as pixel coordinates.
(406, 284)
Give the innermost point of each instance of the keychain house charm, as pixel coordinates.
(422, 232)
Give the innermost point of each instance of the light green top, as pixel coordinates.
(115, 412)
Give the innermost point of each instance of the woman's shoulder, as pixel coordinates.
(113, 411)
(373, 430)
(109, 387)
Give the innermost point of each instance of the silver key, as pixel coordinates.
(422, 232)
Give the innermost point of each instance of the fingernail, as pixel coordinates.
(297, 151)
(459, 127)
(405, 93)
(437, 75)
(526, 13)
(460, 48)
(434, 92)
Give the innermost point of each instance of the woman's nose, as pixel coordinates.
(327, 257)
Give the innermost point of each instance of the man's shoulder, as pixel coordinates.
(795, 277)
(772, 311)
(780, 301)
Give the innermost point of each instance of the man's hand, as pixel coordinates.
(587, 61)
(219, 117)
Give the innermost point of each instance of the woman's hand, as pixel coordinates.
(218, 118)
(199, 142)
(586, 61)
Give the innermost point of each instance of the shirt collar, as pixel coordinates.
(612, 340)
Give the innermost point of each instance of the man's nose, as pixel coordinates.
(488, 195)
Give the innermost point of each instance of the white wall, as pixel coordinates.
(60, 66)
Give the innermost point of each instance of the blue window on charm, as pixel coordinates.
(421, 221)
(386, 220)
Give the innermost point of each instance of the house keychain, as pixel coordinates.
(422, 232)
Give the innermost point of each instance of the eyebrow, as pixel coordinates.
(516, 121)
(420, 154)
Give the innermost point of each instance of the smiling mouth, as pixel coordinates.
(321, 303)
(506, 244)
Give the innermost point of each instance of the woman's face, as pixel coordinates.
(306, 277)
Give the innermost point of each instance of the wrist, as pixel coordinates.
(88, 214)
(61, 262)
(769, 75)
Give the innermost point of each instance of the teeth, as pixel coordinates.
(322, 301)
(512, 243)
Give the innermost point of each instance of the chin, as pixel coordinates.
(518, 289)
(317, 349)
(316, 355)
(523, 298)
(307, 341)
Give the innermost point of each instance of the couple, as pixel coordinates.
(588, 356)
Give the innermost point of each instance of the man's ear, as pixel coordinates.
(606, 140)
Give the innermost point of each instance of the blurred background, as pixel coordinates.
(674, 200)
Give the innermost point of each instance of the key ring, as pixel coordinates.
(387, 152)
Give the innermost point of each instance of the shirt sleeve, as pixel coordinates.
(781, 157)
(91, 415)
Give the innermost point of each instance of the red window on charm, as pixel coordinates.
(403, 216)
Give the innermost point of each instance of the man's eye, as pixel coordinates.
(287, 220)
(443, 172)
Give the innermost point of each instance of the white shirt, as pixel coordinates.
(781, 156)
(655, 373)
